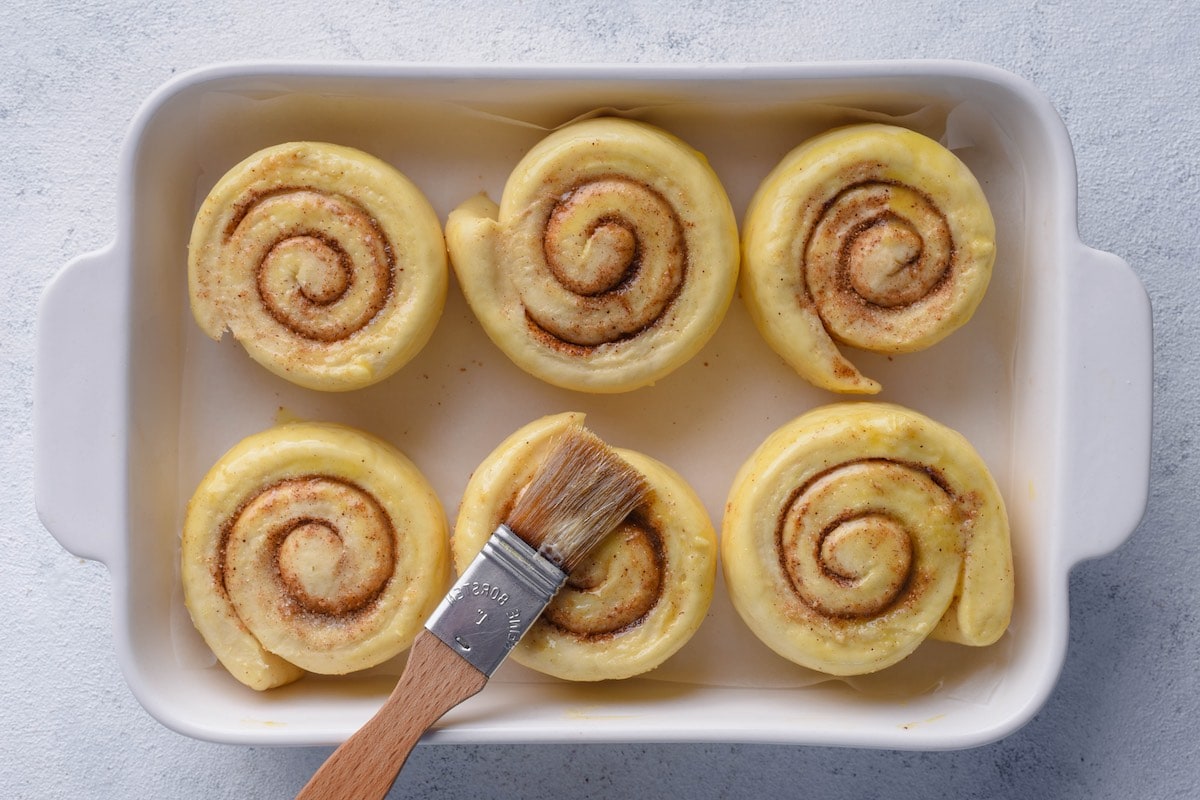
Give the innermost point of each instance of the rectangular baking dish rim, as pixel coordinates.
(119, 562)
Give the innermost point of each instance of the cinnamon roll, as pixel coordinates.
(324, 262)
(609, 262)
(311, 547)
(872, 236)
(858, 530)
(636, 599)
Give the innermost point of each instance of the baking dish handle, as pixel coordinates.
(1108, 427)
(79, 405)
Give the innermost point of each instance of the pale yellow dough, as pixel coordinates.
(326, 264)
(312, 547)
(636, 599)
(859, 529)
(611, 259)
(873, 236)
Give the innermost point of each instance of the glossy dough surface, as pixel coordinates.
(312, 547)
(610, 261)
(859, 529)
(324, 262)
(636, 599)
(873, 236)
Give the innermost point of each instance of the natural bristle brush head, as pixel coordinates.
(582, 492)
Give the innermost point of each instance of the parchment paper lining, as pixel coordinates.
(460, 397)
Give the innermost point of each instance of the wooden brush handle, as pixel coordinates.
(366, 765)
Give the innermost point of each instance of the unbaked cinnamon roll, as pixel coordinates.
(609, 262)
(872, 236)
(311, 547)
(857, 531)
(636, 599)
(324, 262)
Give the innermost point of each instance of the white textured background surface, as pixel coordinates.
(1123, 719)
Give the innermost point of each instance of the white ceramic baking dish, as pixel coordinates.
(1050, 380)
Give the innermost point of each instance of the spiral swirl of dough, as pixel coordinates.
(326, 263)
(872, 236)
(610, 261)
(636, 599)
(857, 531)
(311, 547)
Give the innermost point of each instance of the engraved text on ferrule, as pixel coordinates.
(495, 601)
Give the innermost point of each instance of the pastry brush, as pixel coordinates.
(581, 493)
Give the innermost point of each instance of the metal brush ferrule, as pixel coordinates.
(496, 600)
